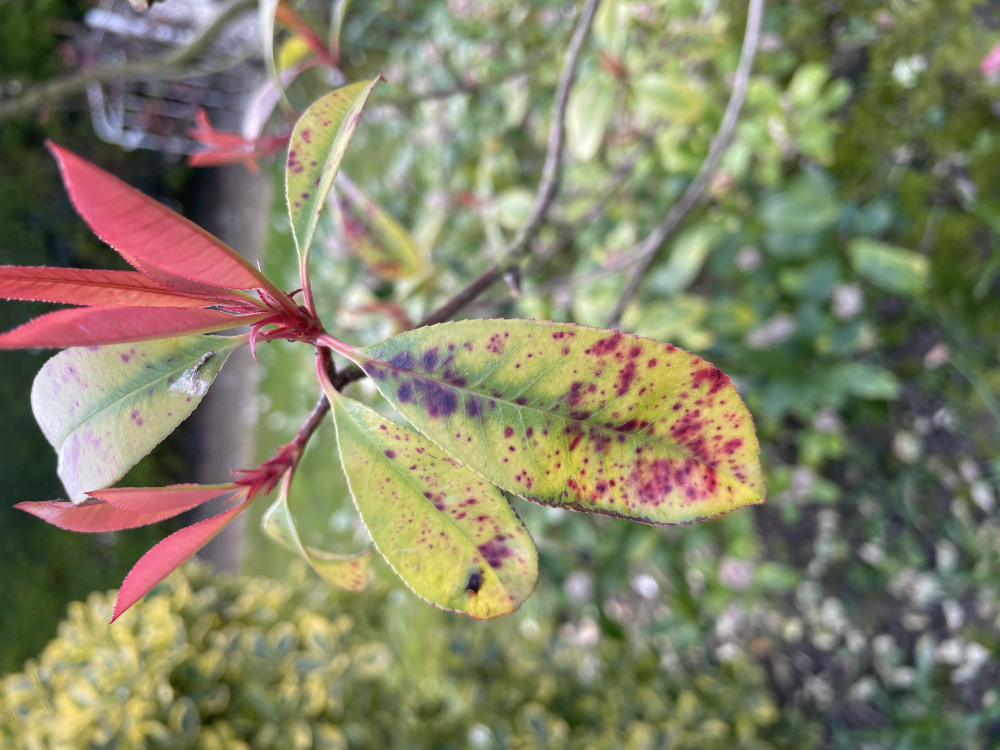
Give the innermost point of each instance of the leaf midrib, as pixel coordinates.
(148, 384)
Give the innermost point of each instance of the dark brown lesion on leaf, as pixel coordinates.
(474, 583)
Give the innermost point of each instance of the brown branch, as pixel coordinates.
(169, 65)
(644, 254)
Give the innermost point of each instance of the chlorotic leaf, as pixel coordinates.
(318, 145)
(452, 537)
(149, 235)
(78, 286)
(104, 408)
(167, 556)
(97, 326)
(348, 572)
(95, 515)
(375, 237)
(578, 418)
(153, 499)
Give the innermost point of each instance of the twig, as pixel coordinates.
(547, 188)
(645, 252)
(163, 66)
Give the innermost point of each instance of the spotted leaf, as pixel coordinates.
(578, 418)
(318, 145)
(104, 408)
(349, 572)
(452, 537)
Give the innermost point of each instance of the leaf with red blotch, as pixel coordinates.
(104, 408)
(167, 556)
(97, 515)
(149, 235)
(317, 149)
(77, 286)
(577, 418)
(451, 536)
(98, 326)
(155, 499)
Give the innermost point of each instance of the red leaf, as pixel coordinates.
(76, 286)
(94, 326)
(167, 556)
(95, 515)
(158, 499)
(149, 235)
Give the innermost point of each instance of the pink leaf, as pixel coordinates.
(95, 515)
(157, 499)
(76, 286)
(149, 235)
(167, 556)
(94, 326)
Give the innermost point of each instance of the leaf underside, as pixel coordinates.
(79, 286)
(452, 538)
(104, 408)
(578, 418)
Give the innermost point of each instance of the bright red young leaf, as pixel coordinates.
(97, 515)
(168, 555)
(223, 147)
(95, 326)
(77, 286)
(158, 499)
(150, 236)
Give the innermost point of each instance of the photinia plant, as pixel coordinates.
(590, 420)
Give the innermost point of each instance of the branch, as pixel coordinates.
(164, 66)
(645, 252)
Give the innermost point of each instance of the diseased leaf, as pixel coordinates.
(77, 286)
(452, 537)
(573, 417)
(318, 145)
(349, 572)
(150, 236)
(376, 238)
(152, 499)
(104, 408)
(167, 556)
(95, 515)
(97, 326)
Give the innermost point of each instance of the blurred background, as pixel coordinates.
(843, 266)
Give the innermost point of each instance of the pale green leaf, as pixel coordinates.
(892, 268)
(670, 97)
(380, 241)
(317, 148)
(452, 537)
(574, 417)
(348, 572)
(104, 408)
(588, 113)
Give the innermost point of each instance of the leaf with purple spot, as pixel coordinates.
(452, 537)
(578, 418)
(104, 408)
(348, 572)
(317, 148)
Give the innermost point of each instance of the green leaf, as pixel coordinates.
(808, 205)
(348, 572)
(574, 417)
(266, 10)
(866, 381)
(317, 148)
(104, 408)
(452, 538)
(376, 238)
(892, 268)
(337, 13)
(687, 257)
(666, 96)
(588, 113)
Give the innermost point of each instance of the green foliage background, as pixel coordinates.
(844, 272)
